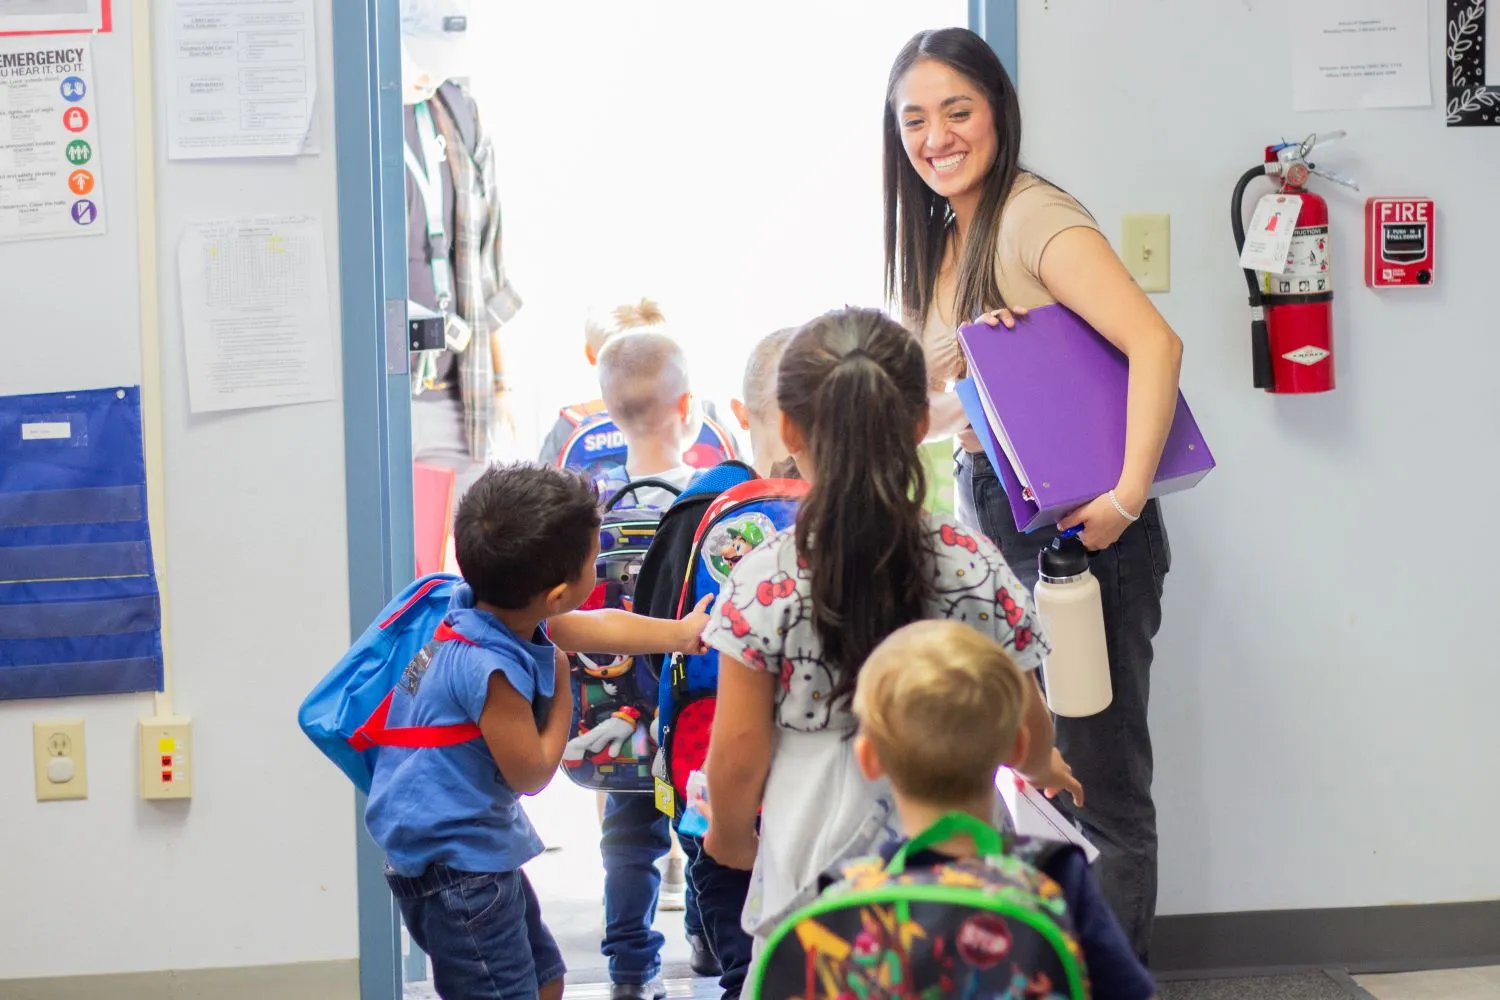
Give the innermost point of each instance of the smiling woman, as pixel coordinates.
(969, 233)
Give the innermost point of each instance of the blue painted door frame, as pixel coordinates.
(996, 21)
(377, 401)
(377, 407)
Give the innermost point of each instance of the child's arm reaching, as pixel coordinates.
(610, 630)
(527, 758)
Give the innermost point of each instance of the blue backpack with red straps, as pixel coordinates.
(345, 714)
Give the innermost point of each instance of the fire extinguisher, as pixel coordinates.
(1291, 313)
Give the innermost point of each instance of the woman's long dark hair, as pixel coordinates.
(916, 217)
(854, 382)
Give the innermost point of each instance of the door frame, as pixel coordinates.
(376, 388)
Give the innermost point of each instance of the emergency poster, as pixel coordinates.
(50, 182)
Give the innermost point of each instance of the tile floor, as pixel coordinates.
(569, 883)
(1453, 984)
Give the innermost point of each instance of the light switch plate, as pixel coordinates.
(61, 763)
(166, 758)
(1146, 248)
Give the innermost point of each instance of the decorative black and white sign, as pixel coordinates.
(1472, 100)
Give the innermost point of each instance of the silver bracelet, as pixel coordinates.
(1120, 508)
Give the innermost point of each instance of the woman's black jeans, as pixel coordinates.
(1110, 753)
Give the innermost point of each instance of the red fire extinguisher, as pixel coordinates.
(1291, 311)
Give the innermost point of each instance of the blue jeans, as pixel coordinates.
(721, 899)
(636, 835)
(483, 932)
(1110, 753)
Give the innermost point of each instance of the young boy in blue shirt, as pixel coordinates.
(940, 711)
(449, 818)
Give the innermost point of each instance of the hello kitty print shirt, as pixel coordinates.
(763, 617)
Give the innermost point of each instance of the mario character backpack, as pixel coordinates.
(993, 926)
(738, 520)
(345, 714)
(614, 697)
(587, 440)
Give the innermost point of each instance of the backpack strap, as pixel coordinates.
(630, 488)
(375, 733)
(988, 841)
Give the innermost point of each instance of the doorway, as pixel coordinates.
(640, 155)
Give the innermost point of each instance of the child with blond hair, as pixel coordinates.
(941, 710)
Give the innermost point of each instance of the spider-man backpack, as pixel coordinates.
(740, 519)
(587, 440)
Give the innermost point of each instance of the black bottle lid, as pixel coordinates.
(1064, 559)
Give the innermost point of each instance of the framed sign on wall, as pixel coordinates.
(1473, 73)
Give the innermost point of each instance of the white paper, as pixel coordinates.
(1034, 816)
(50, 182)
(1268, 237)
(51, 15)
(1361, 54)
(241, 77)
(255, 313)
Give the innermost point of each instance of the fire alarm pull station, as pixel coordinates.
(1399, 238)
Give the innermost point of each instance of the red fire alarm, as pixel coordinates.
(1399, 237)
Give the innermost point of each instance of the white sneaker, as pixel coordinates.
(673, 897)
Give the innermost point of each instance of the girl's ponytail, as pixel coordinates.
(855, 384)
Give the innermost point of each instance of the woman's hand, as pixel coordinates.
(730, 851)
(1002, 317)
(1102, 523)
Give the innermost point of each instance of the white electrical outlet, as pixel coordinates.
(166, 758)
(61, 765)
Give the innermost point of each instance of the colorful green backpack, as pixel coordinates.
(993, 927)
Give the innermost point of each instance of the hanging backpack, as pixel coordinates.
(345, 714)
(738, 520)
(990, 926)
(606, 686)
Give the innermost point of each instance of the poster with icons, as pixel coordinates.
(51, 185)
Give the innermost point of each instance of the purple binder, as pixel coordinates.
(1048, 402)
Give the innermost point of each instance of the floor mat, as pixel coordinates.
(1307, 986)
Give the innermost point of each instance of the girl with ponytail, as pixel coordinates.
(801, 612)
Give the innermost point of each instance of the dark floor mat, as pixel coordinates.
(1307, 986)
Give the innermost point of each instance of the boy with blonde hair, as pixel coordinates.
(757, 410)
(940, 709)
(643, 379)
(644, 383)
(600, 328)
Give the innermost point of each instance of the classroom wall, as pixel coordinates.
(258, 869)
(1324, 691)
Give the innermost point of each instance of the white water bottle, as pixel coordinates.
(1067, 598)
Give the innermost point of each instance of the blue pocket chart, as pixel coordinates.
(79, 608)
